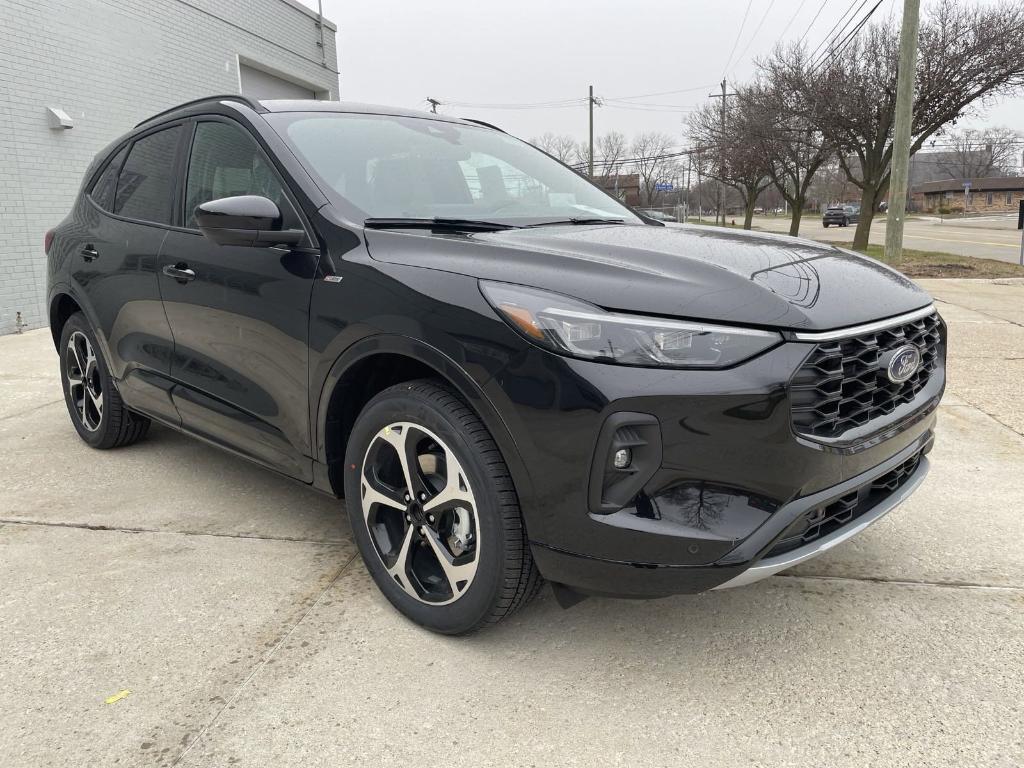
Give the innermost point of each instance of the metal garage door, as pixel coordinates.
(258, 84)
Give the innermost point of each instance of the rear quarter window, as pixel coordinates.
(102, 192)
(145, 188)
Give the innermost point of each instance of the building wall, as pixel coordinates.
(109, 64)
(939, 202)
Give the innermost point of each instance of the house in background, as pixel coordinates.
(989, 195)
(75, 75)
(623, 186)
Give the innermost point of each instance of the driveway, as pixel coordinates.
(169, 604)
(989, 237)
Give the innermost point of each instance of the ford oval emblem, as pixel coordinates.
(904, 363)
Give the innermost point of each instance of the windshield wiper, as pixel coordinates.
(577, 221)
(465, 225)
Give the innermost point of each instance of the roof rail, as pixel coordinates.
(481, 122)
(253, 105)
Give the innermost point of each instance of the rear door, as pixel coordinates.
(241, 323)
(123, 221)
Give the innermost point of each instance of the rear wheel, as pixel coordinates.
(434, 511)
(846, 222)
(824, 224)
(93, 402)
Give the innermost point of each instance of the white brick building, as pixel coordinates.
(107, 64)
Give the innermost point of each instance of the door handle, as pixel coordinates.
(89, 253)
(180, 272)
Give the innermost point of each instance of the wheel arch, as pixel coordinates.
(62, 306)
(380, 361)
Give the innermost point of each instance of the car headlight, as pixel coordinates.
(572, 327)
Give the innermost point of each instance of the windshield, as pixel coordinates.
(407, 167)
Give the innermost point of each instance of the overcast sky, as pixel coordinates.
(530, 52)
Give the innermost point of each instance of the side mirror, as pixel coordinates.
(245, 220)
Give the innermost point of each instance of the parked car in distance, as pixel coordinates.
(840, 215)
(657, 215)
(506, 373)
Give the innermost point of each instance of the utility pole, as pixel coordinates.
(901, 140)
(686, 200)
(700, 203)
(434, 104)
(590, 105)
(721, 151)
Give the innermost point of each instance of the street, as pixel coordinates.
(989, 237)
(224, 615)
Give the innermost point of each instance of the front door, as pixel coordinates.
(239, 314)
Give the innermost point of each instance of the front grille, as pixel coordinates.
(843, 384)
(823, 520)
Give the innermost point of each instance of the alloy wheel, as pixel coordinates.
(81, 369)
(421, 513)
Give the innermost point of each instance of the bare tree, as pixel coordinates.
(977, 153)
(796, 148)
(648, 152)
(611, 150)
(561, 146)
(967, 56)
(737, 157)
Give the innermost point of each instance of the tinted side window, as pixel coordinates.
(145, 189)
(102, 191)
(225, 162)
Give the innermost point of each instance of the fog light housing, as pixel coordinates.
(627, 455)
(623, 458)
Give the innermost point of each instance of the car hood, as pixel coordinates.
(684, 271)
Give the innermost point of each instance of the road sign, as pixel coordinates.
(663, 186)
(967, 185)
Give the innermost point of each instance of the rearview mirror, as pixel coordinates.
(245, 220)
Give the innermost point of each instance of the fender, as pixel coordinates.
(446, 368)
(70, 289)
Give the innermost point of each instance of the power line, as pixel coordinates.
(660, 93)
(513, 105)
(806, 31)
(832, 31)
(738, 36)
(756, 30)
(799, 8)
(815, 66)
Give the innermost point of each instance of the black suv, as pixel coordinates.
(508, 374)
(840, 215)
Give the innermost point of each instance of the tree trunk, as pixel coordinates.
(748, 214)
(868, 206)
(797, 212)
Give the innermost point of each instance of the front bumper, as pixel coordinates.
(731, 479)
(747, 563)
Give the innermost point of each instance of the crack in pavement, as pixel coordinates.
(30, 410)
(125, 529)
(980, 312)
(263, 662)
(909, 582)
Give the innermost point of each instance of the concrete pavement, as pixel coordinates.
(232, 606)
(989, 238)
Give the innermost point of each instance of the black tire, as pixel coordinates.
(505, 578)
(824, 224)
(115, 425)
(846, 222)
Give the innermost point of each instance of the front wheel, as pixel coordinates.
(434, 512)
(846, 222)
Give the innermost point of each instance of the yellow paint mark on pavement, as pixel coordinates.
(117, 697)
